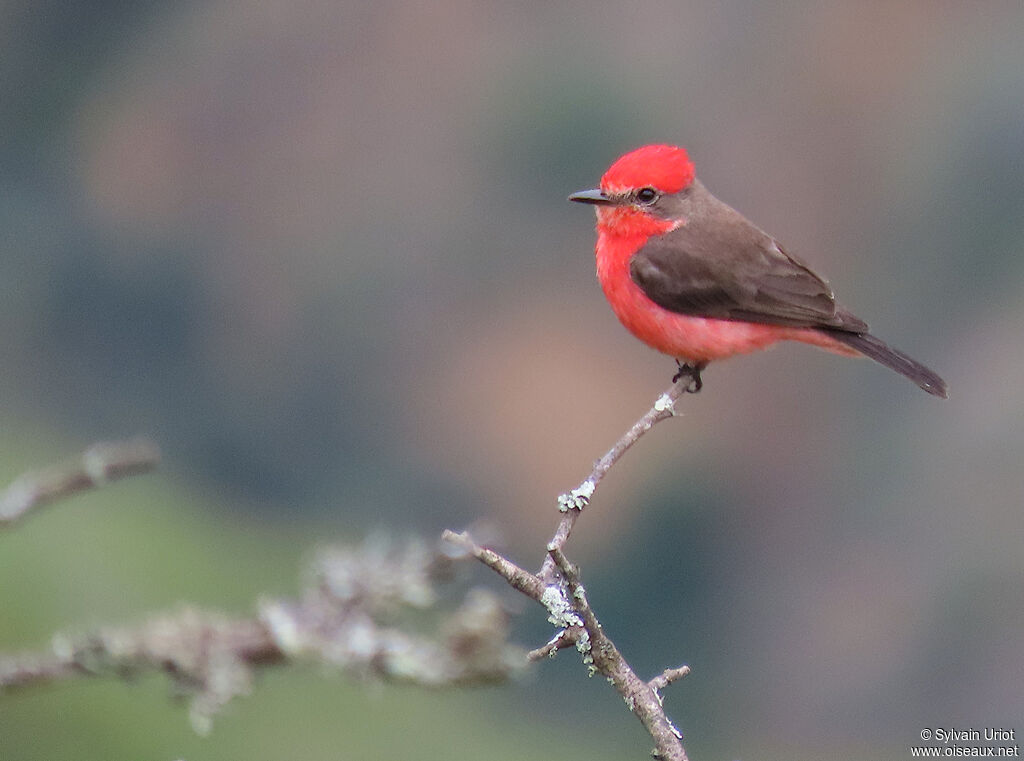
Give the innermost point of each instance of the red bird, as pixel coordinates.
(691, 277)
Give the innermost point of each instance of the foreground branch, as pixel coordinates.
(557, 586)
(571, 503)
(337, 621)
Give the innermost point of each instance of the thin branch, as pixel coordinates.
(517, 577)
(667, 677)
(98, 465)
(571, 503)
(640, 697)
(563, 639)
(558, 588)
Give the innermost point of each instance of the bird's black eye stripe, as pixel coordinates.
(646, 196)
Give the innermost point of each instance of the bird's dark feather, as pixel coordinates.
(719, 265)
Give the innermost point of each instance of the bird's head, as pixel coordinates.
(642, 193)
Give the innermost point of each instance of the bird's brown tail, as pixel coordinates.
(884, 354)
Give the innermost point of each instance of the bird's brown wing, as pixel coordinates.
(721, 266)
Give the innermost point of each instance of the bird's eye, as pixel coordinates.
(646, 196)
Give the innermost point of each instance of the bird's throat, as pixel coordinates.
(628, 222)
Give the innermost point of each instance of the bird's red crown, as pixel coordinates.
(665, 167)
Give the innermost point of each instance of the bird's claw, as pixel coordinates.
(694, 370)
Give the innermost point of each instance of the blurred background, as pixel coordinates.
(321, 252)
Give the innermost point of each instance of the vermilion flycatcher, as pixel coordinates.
(688, 275)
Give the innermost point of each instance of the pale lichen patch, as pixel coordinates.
(665, 404)
(578, 498)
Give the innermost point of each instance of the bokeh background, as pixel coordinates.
(320, 251)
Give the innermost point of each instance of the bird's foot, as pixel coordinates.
(694, 370)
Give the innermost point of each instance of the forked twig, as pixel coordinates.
(557, 586)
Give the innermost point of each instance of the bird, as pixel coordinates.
(691, 277)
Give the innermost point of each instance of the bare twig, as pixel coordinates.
(563, 639)
(98, 465)
(666, 677)
(640, 697)
(571, 503)
(558, 588)
(517, 577)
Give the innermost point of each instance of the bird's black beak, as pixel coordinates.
(595, 196)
